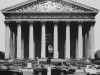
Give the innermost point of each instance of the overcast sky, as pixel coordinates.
(7, 3)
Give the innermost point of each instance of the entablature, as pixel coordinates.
(56, 15)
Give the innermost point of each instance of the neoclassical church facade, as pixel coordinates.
(70, 23)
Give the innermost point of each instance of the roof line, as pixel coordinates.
(82, 5)
(16, 5)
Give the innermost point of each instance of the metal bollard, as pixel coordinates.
(49, 70)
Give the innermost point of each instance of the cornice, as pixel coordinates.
(70, 12)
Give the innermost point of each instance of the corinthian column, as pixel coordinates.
(31, 42)
(55, 40)
(22, 47)
(80, 42)
(92, 40)
(13, 45)
(67, 50)
(76, 48)
(7, 40)
(19, 40)
(88, 45)
(43, 42)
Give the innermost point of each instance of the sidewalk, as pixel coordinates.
(31, 70)
(79, 70)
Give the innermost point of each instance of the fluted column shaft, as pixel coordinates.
(55, 40)
(88, 46)
(92, 40)
(22, 47)
(67, 51)
(31, 42)
(80, 42)
(13, 45)
(7, 41)
(43, 41)
(19, 40)
(76, 48)
(86, 51)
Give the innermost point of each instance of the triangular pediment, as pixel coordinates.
(49, 6)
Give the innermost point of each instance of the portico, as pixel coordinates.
(71, 26)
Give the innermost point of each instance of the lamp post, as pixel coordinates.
(50, 50)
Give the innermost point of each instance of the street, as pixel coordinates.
(29, 72)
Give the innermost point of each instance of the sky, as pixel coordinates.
(8, 3)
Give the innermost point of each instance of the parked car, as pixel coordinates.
(71, 69)
(4, 70)
(92, 69)
(59, 66)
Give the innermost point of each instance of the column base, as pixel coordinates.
(56, 56)
(67, 58)
(6, 57)
(19, 58)
(31, 58)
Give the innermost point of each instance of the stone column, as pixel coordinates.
(92, 40)
(31, 42)
(86, 46)
(7, 40)
(80, 42)
(43, 41)
(13, 45)
(22, 47)
(67, 49)
(55, 40)
(76, 48)
(19, 40)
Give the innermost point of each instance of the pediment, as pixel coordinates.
(49, 6)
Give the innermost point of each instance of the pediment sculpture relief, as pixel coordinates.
(48, 6)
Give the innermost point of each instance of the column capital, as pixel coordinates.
(7, 22)
(43, 22)
(19, 22)
(55, 22)
(67, 22)
(31, 22)
(92, 23)
(80, 22)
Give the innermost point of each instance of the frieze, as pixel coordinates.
(23, 16)
(44, 20)
(49, 6)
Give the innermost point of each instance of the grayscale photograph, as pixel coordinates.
(50, 37)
